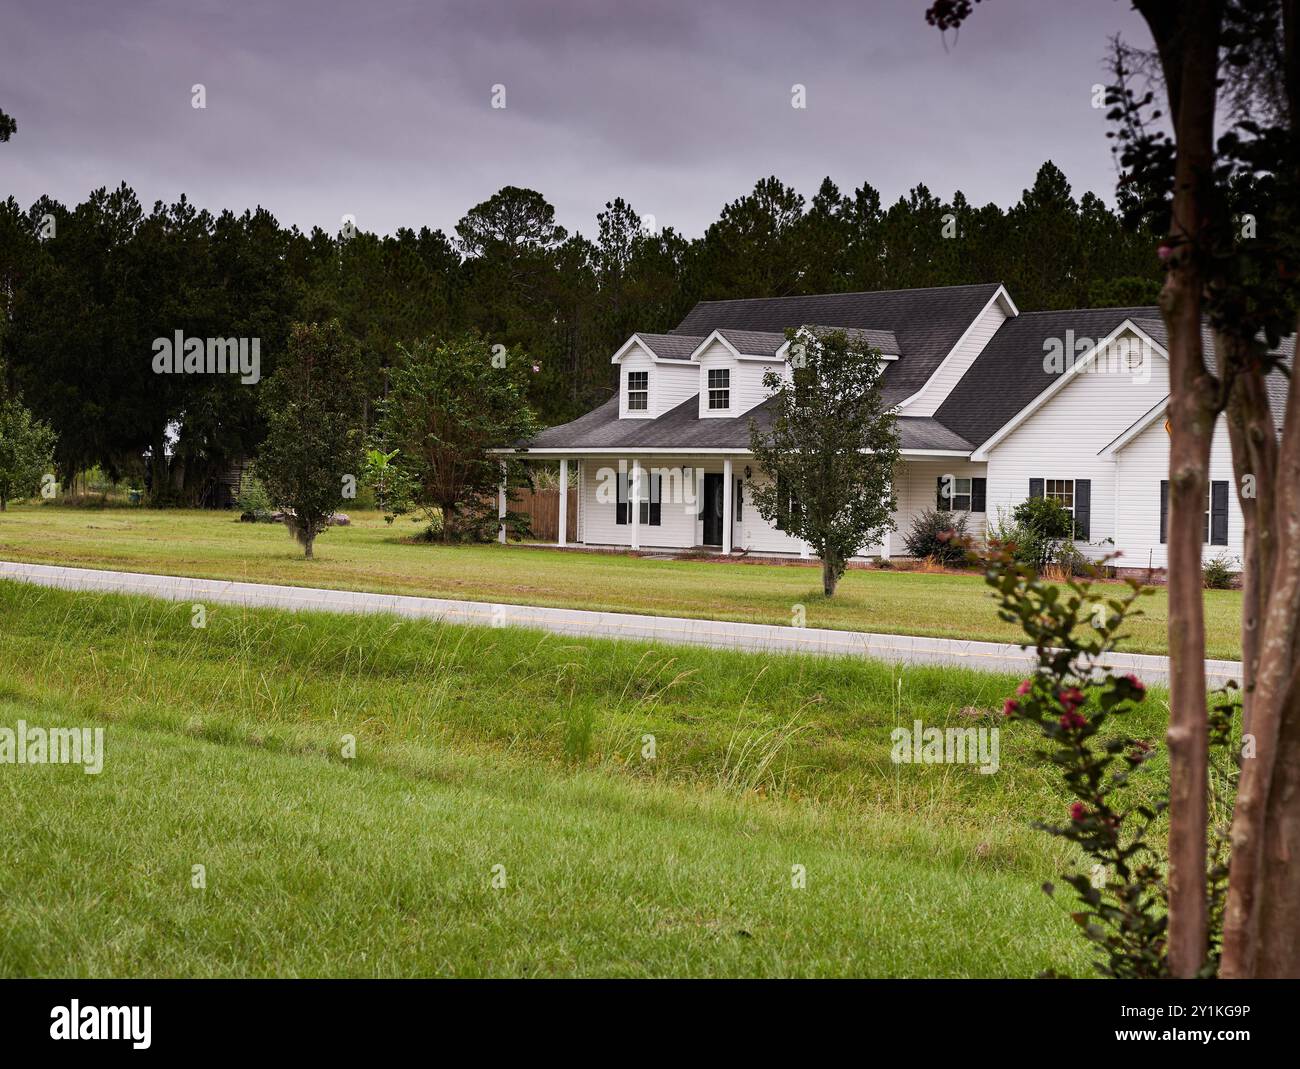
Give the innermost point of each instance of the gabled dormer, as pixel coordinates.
(731, 368)
(656, 374)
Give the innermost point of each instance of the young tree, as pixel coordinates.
(448, 404)
(26, 451)
(829, 448)
(312, 405)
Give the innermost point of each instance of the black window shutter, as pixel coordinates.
(941, 502)
(1164, 511)
(740, 498)
(1035, 487)
(978, 491)
(1083, 508)
(1218, 513)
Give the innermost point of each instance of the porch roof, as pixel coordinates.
(681, 429)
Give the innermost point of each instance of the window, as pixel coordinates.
(1073, 495)
(719, 388)
(1214, 520)
(638, 391)
(960, 495)
(649, 512)
(1061, 490)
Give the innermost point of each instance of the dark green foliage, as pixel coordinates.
(1218, 572)
(938, 535)
(26, 451)
(78, 312)
(1042, 525)
(448, 404)
(830, 450)
(312, 408)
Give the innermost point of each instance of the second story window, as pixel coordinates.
(719, 388)
(638, 391)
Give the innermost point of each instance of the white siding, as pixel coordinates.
(670, 383)
(916, 484)
(958, 362)
(1062, 439)
(746, 381)
(680, 526)
(1143, 463)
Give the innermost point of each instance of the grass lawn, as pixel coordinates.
(478, 748)
(370, 556)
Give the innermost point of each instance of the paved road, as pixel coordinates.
(902, 649)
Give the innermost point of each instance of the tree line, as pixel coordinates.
(86, 290)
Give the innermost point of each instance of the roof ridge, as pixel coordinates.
(852, 293)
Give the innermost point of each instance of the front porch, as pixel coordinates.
(701, 503)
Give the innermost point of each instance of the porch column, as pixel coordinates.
(728, 510)
(501, 507)
(564, 502)
(634, 502)
(886, 544)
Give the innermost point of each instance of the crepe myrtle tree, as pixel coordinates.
(312, 405)
(830, 448)
(448, 403)
(1207, 135)
(26, 451)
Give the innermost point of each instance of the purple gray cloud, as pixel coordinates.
(320, 108)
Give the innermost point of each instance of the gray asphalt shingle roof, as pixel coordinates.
(682, 428)
(926, 323)
(1010, 372)
(671, 346)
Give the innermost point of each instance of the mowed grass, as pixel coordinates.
(371, 556)
(478, 748)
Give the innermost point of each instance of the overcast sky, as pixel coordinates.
(383, 109)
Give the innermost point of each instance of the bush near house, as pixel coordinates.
(1039, 531)
(939, 535)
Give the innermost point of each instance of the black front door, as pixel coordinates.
(712, 509)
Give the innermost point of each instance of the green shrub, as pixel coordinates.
(1219, 573)
(939, 534)
(1038, 530)
(252, 494)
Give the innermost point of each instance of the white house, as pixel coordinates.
(993, 406)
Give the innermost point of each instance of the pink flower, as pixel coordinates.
(1164, 252)
(1010, 707)
(1071, 698)
(1025, 687)
(537, 368)
(1078, 811)
(1072, 719)
(1136, 684)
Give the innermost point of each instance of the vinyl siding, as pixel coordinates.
(1062, 439)
(670, 384)
(746, 381)
(1143, 463)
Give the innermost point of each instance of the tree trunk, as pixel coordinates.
(1265, 833)
(307, 542)
(829, 578)
(1187, 41)
(448, 519)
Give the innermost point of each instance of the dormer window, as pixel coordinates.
(719, 388)
(638, 391)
